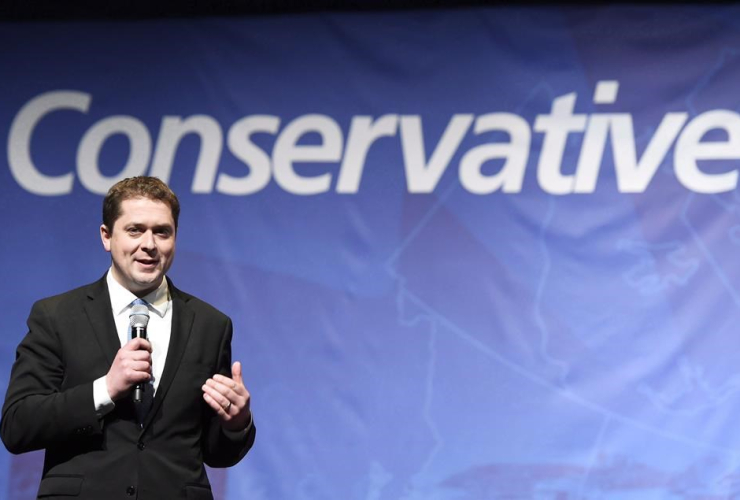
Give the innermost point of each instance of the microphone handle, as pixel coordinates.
(138, 332)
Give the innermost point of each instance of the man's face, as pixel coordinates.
(141, 244)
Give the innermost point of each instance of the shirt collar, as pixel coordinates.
(121, 298)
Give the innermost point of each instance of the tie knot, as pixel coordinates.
(139, 302)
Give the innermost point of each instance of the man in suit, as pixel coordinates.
(71, 383)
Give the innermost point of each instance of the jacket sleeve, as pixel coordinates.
(221, 448)
(39, 410)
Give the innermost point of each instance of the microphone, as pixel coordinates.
(139, 317)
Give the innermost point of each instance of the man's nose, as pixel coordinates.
(147, 241)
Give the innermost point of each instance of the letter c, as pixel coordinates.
(19, 141)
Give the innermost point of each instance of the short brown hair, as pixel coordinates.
(137, 187)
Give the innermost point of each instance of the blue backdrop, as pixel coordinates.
(469, 254)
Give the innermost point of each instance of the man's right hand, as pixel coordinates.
(132, 365)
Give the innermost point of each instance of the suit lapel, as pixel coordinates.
(182, 326)
(100, 317)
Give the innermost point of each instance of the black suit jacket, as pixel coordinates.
(72, 341)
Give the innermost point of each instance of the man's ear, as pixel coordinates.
(105, 237)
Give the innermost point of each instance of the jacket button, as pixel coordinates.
(140, 445)
(130, 491)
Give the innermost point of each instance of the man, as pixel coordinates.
(70, 386)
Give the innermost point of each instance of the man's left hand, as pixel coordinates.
(229, 398)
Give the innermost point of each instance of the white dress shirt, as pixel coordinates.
(159, 330)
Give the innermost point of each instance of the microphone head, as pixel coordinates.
(139, 316)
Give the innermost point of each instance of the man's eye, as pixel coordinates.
(133, 230)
